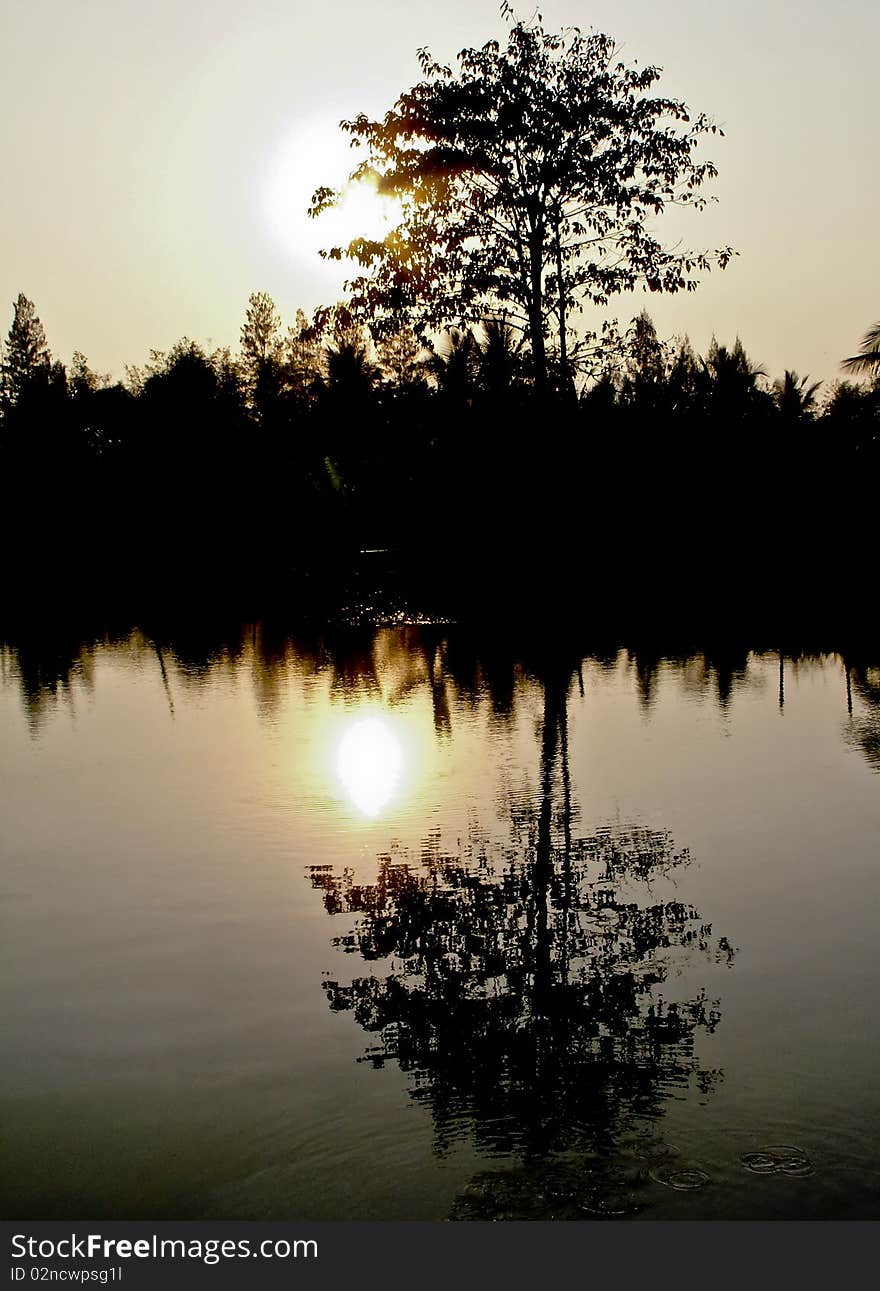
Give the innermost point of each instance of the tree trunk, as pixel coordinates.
(563, 345)
(566, 381)
(536, 312)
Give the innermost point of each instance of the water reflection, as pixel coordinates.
(864, 731)
(50, 661)
(523, 984)
(456, 668)
(497, 828)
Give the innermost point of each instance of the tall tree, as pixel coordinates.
(305, 355)
(26, 354)
(527, 184)
(646, 360)
(260, 335)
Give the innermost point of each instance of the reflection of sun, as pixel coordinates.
(314, 156)
(369, 759)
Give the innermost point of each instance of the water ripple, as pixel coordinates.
(779, 1158)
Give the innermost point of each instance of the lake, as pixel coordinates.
(422, 922)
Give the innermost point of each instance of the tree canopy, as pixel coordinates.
(527, 182)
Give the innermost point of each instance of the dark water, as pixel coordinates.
(399, 923)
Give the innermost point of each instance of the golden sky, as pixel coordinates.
(156, 158)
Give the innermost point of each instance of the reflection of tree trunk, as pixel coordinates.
(439, 695)
(543, 867)
(554, 738)
(848, 675)
(165, 685)
(566, 831)
(781, 682)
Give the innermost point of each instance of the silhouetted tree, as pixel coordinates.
(260, 333)
(732, 371)
(452, 364)
(795, 399)
(25, 356)
(643, 386)
(398, 356)
(189, 425)
(528, 183)
(502, 356)
(646, 359)
(350, 372)
(305, 357)
(687, 380)
(100, 411)
(82, 381)
(851, 424)
(262, 357)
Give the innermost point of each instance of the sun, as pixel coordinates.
(369, 760)
(316, 154)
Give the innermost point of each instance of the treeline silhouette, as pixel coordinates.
(669, 475)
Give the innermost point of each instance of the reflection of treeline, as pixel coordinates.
(316, 437)
(456, 666)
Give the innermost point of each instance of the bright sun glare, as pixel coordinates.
(312, 156)
(369, 760)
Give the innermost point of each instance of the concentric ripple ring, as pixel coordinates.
(779, 1158)
(680, 1180)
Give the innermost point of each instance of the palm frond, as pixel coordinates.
(867, 361)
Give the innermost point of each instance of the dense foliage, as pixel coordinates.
(528, 184)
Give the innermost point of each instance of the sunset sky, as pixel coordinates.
(157, 159)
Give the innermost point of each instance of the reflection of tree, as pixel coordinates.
(866, 734)
(48, 667)
(864, 731)
(460, 668)
(721, 669)
(521, 986)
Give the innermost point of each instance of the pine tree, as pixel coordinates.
(260, 334)
(25, 354)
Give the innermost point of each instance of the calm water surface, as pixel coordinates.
(394, 924)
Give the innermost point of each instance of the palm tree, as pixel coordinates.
(794, 398)
(867, 361)
(501, 352)
(452, 363)
(350, 371)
